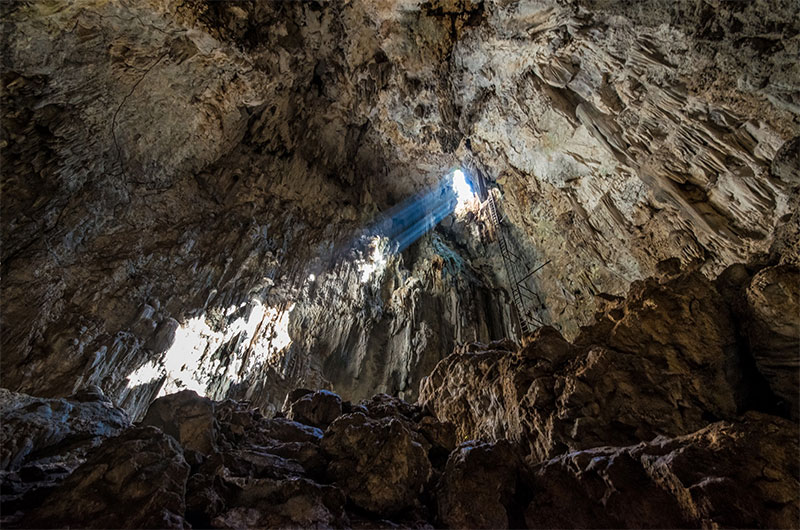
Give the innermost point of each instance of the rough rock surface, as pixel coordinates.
(773, 299)
(664, 361)
(187, 417)
(174, 175)
(701, 480)
(43, 440)
(32, 424)
(401, 468)
(478, 486)
(381, 464)
(319, 409)
(136, 480)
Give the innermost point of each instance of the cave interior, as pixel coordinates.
(400, 264)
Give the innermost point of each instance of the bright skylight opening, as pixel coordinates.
(463, 189)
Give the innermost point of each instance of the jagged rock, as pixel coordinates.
(385, 406)
(290, 503)
(187, 417)
(33, 425)
(286, 430)
(664, 361)
(136, 480)
(478, 485)
(317, 409)
(293, 396)
(222, 148)
(773, 299)
(257, 463)
(380, 464)
(741, 474)
(440, 435)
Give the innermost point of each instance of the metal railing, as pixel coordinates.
(521, 294)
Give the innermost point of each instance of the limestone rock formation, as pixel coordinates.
(217, 225)
(43, 440)
(386, 470)
(187, 417)
(701, 480)
(773, 299)
(31, 425)
(319, 408)
(380, 464)
(663, 362)
(176, 174)
(136, 480)
(478, 486)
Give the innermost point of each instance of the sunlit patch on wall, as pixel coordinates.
(191, 363)
(376, 259)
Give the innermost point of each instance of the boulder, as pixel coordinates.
(187, 417)
(136, 480)
(317, 409)
(293, 396)
(32, 425)
(663, 361)
(741, 474)
(286, 430)
(43, 440)
(773, 300)
(289, 503)
(477, 486)
(384, 406)
(380, 464)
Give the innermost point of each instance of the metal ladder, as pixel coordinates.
(527, 318)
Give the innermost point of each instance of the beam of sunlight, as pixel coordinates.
(406, 222)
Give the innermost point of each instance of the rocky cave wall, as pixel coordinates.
(170, 167)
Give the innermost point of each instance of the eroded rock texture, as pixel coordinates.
(174, 174)
(379, 468)
(697, 480)
(663, 361)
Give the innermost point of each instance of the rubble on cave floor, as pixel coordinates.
(385, 463)
(651, 418)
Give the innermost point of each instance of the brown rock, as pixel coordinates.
(477, 486)
(380, 464)
(32, 424)
(742, 474)
(291, 503)
(773, 299)
(384, 406)
(187, 417)
(317, 409)
(663, 362)
(136, 480)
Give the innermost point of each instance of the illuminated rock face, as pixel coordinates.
(175, 175)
